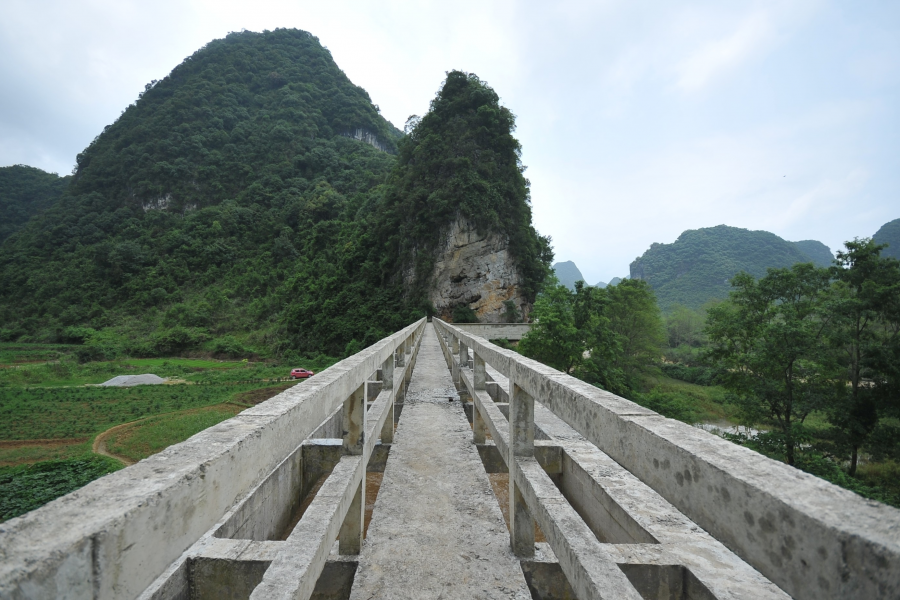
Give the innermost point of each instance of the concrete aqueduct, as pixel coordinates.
(606, 499)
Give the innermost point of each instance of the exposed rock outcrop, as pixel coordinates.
(367, 137)
(475, 271)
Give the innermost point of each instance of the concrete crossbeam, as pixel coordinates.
(294, 571)
(590, 570)
(813, 539)
(115, 536)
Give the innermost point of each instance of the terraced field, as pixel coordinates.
(59, 430)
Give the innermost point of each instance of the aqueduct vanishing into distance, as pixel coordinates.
(271, 504)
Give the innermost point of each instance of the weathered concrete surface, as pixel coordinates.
(115, 536)
(493, 331)
(811, 538)
(437, 531)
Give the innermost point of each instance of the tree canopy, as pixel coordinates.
(889, 236)
(462, 160)
(255, 192)
(25, 192)
(605, 336)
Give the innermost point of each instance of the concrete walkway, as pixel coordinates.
(437, 530)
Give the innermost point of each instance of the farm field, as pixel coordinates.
(59, 430)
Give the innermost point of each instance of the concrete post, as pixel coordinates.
(480, 376)
(408, 346)
(463, 362)
(454, 366)
(351, 535)
(521, 444)
(479, 429)
(387, 377)
(355, 421)
(354, 440)
(400, 356)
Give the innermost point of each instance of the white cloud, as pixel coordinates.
(716, 57)
(637, 120)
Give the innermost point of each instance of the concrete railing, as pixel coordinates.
(494, 331)
(616, 500)
(205, 515)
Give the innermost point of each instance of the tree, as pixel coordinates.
(635, 319)
(602, 347)
(771, 337)
(554, 338)
(684, 327)
(461, 160)
(864, 303)
(572, 333)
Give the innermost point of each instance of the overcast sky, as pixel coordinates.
(638, 120)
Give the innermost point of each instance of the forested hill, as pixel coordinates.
(256, 199)
(699, 265)
(889, 234)
(24, 192)
(187, 215)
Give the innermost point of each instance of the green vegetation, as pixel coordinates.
(73, 412)
(771, 340)
(685, 401)
(155, 434)
(817, 252)
(805, 358)
(224, 190)
(27, 487)
(51, 413)
(460, 160)
(889, 234)
(24, 192)
(231, 210)
(700, 264)
(605, 336)
(805, 339)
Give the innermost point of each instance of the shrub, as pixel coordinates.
(464, 314)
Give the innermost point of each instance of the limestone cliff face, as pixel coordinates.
(475, 271)
(367, 137)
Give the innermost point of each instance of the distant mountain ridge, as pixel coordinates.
(568, 273)
(889, 234)
(699, 265)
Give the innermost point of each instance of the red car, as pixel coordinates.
(301, 373)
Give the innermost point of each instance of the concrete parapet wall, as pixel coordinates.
(115, 536)
(811, 538)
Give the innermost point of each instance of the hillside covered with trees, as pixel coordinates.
(889, 234)
(25, 192)
(254, 200)
(699, 265)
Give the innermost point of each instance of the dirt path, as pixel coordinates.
(99, 445)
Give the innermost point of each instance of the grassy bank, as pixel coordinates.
(51, 412)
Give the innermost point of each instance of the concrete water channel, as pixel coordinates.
(435, 464)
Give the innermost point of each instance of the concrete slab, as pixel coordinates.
(437, 531)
